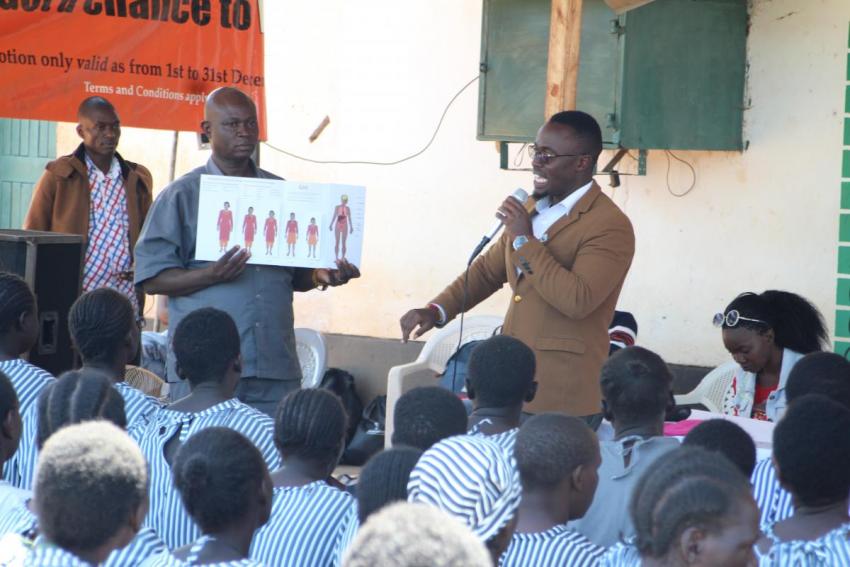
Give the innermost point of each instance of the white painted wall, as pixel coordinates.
(383, 71)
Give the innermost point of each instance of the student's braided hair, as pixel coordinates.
(15, 298)
(796, 323)
(77, 396)
(311, 425)
(99, 322)
(684, 488)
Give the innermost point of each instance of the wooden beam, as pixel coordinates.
(564, 43)
(620, 6)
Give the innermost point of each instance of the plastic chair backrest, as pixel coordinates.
(442, 344)
(711, 390)
(312, 356)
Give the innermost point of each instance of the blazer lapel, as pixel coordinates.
(580, 208)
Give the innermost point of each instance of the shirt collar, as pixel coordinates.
(114, 168)
(567, 202)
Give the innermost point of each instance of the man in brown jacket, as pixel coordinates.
(97, 194)
(565, 256)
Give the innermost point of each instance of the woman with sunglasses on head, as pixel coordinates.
(767, 334)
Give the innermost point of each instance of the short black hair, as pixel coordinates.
(77, 396)
(217, 472)
(501, 371)
(636, 384)
(824, 373)
(384, 480)
(424, 416)
(811, 446)
(686, 487)
(16, 298)
(8, 397)
(92, 102)
(727, 438)
(311, 425)
(205, 343)
(585, 127)
(796, 323)
(550, 446)
(99, 322)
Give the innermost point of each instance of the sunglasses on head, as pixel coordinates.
(733, 318)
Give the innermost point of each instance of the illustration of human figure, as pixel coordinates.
(270, 231)
(341, 225)
(312, 237)
(224, 226)
(291, 234)
(249, 228)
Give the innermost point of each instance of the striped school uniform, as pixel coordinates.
(305, 526)
(621, 554)
(167, 516)
(48, 555)
(773, 501)
(555, 547)
(506, 439)
(28, 381)
(829, 550)
(349, 532)
(165, 559)
(137, 405)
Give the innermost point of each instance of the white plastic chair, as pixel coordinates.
(711, 389)
(433, 357)
(312, 355)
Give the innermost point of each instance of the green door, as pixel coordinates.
(25, 148)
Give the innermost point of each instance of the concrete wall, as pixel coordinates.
(383, 71)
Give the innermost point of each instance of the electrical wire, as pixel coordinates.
(395, 162)
(668, 154)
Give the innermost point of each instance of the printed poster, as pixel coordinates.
(282, 223)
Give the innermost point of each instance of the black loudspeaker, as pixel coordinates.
(51, 263)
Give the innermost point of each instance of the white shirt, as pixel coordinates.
(547, 215)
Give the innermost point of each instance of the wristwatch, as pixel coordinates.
(520, 241)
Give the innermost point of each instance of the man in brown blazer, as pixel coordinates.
(565, 255)
(97, 194)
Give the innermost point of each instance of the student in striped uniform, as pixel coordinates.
(823, 373)
(727, 438)
(105, 332)
(224, 484)
(473, 479)
(308, 514)
(424, 416)
(413, 535)
(558, 459)
(10, 435)
(811, 448)
(90, 494)
(206, 344)
(77, 397)
(501, 379)
(691, 507)
(18, 334)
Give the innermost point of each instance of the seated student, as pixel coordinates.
(104, 331)
(90, 495)
(766, 334)
(18, 334)
(415, 535)
(77, 397)
(727, 438)
(225, 486)
(636, 392)
(692, 507)
(424, 416)
(501, 379)
(823, 373)
(308, 515)
(206, 345)
(811, 449)
(557, 457)
(10, 436)
(473, 479)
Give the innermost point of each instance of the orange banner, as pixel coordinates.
(155, 60)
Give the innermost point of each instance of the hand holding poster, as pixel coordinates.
(156, 60)
(282, 223)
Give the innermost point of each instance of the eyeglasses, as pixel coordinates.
(544, 156)
(732, 319)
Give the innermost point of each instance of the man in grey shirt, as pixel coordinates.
(259, 298)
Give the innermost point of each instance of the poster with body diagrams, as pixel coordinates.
(282, 223)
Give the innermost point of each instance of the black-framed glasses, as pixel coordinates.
(732, 319)
(545, 156)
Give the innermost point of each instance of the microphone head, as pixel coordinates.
(520, 195)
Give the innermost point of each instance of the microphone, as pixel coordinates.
(520, 195)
